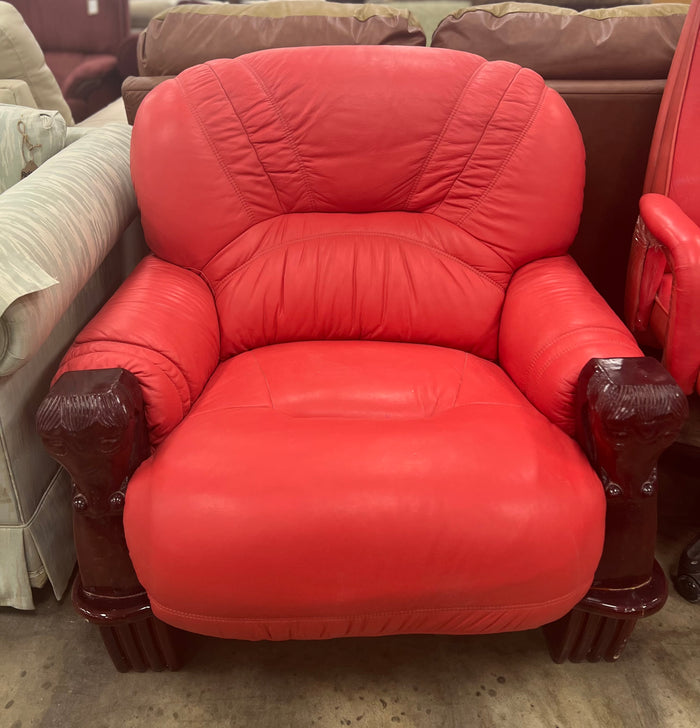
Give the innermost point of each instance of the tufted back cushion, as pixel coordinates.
(357, 192)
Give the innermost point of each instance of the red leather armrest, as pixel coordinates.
(553, 323)
(667, 240)
(162, 326)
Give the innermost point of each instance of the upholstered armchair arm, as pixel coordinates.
(162, 326)
(128, 379)
(667, 242)
(578, 364)
(553, 323)
(56, 228)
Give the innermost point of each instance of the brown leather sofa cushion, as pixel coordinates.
(186, 35)
(628, 42)
(134, 90)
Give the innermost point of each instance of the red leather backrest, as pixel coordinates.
(357, 192)
(674, 158)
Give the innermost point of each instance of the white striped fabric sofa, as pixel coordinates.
(69, 234)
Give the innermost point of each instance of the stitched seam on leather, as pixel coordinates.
(287, 131)
(660, 304)
(486, 243)
(369, 615)
(326, 236)
(367, 418)
(541, 370)
(516, 145)
(73, 355)
(250, 140)
(264, 378)
(440, 136)
(205, 280)
(224, 168)
(461, 380)
(476, 146)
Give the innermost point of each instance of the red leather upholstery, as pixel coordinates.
(354, 511)
(335, 232)
(162, 326)
(548, 334)
(663, 280)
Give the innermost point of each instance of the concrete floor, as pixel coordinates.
(54, 673)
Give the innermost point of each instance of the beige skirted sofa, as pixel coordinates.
(69, 234)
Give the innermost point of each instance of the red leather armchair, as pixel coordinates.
(81, 41)
(662, 304)
(352, 390)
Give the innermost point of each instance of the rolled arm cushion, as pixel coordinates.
(27, 135)
(162, 326)
(56, 227)
(664, 272)
(559, 43)
(553, 323)
(190, 34)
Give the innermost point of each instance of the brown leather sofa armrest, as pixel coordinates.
(134, 90)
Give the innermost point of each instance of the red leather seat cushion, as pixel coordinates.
(324, 489)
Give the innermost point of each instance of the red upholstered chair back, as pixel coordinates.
(663, 277)
(326, 210)
(674, 159)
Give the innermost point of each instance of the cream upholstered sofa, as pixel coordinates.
(68, 237)
(69, 234)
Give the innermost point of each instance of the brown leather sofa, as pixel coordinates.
(610, 66)
(186, 35)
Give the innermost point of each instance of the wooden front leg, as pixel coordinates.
(92, 423)
(628, 412)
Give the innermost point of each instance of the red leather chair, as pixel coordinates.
(662, 304)
(350, 391)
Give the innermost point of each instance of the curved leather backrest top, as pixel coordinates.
(627, 42)
(371, 192)
(186, 35)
